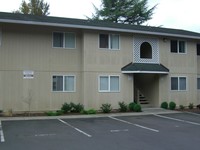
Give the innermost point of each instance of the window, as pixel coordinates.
(146, 50)
(109, 83)
(198, 49)
(198, 83)
(63, 83)
(178, 46)
(178, 83)
(0, 36)
(64, 40)
(109, 41)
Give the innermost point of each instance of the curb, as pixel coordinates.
(149, 111)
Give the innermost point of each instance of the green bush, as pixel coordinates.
(181, 107)
(106, 108)
(88, 112)
(54, 113)
(123, 107)
(131, 106)
(191, 106)
(172, 105)
(66, 107)
(137, 108)
(76, 108)
(164, 105)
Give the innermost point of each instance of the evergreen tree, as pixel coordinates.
(34, 7)
(124, 11)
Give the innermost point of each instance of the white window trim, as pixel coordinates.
(178, 46)
(178, 84)
(108, 91)
(63, 40)
(63, 83)
(109, 42)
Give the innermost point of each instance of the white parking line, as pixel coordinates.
(180, 120)
(114, 131)
(1, 133)
(43, 135)
(88, 135)
(137, 125)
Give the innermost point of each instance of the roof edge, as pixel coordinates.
(96, 28)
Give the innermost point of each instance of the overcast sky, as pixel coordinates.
(181, 14)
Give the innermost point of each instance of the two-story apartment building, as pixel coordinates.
(46, 61)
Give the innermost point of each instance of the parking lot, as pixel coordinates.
(146, 132)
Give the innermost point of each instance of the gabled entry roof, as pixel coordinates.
(145, 68)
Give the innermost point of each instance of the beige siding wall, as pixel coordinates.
(30, 48)
(179, 65)
(106, 62)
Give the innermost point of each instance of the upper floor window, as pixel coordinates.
(198, 49)
(109, 84)
(63, 83)
(146, 50)
(109, 41)
(64, 40)
(178, 83)
(177, 46)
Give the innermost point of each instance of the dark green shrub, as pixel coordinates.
(88, 112)
(1, 111)
(59, 112)
(106, 108)
(172, 105)
(191, 106)
(137, 108)
(76, 108)
(164, 105)
(131, 106)
(123, 107)
(54, 113)
(66, 107)
(181, 107)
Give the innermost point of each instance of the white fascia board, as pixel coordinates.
(96, 28)
(150, 72)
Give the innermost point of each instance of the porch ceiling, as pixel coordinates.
(145, 68)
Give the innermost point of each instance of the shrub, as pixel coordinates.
(76, 108)
(191, 106)
(137, 108)
(54, 113)
(123, 107)
(181, 107)
(131, 106)
(106, 108)
(172, 105)
(164, 105)
(66, 107)
(88, 112)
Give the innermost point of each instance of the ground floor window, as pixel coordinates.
(178, 83)
(63, 83)
(108, 83)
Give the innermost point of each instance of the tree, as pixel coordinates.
(124, 11)
(34, 7)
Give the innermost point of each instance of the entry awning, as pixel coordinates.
(145, 68)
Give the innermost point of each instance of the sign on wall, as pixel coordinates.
(28, 74)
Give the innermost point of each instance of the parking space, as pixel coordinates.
(156, 132)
